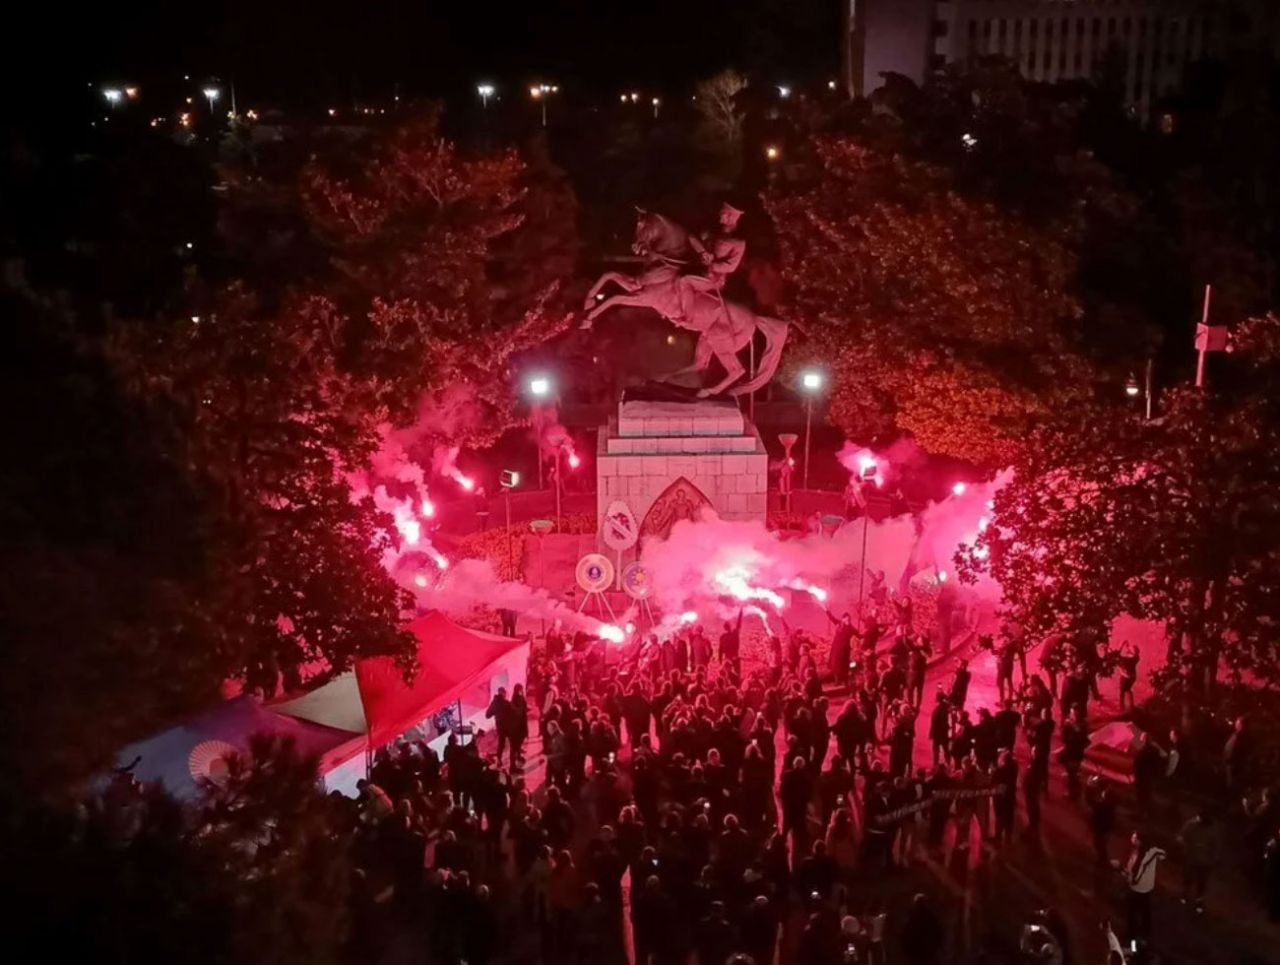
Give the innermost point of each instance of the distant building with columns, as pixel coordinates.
(1049, 40)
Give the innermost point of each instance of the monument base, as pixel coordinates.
(669, 460)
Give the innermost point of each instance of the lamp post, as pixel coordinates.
(868, 472)
(509, 480)
(211, 94)
(485, 91)
(1132, 389)
(540, 389)
(788, 439)
(811, 383)
(540, 93)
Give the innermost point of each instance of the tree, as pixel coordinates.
(1175, 520)
(264, 416)
(111, 593)
(716, 99)
(444, 268)
(922, 301)
(255, 871)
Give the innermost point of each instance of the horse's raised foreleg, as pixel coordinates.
(637, 300)
(625, 282)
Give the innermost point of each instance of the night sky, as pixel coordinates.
(307, 51)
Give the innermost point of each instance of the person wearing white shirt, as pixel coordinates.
(1140, 873)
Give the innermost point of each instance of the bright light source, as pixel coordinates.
(189, 246)
(535, 92)
(969, 141)
(441, 562)
(811, 381)
(1132, 389)
(831, 85)
(635, 96)
(656, 102)
(131, 92)
(958, 489)
(689, 616)
(420, 581)
(611, 633)
(466, 482)
(772, 152)
(113, 95)
(195, 319)
(211, 93)
(540, 386)
(784, 91)
(630, 628)
(485, 90)
(623, 98)
(867, 467)
(942, 576)
(574, 461)
(428, 508)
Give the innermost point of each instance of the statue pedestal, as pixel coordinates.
(669, 460)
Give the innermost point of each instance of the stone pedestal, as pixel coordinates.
(648, 448)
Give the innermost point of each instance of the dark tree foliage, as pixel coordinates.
(110, 596)
(1175, 520)
(252, 872)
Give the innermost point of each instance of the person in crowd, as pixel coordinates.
(922, 933)
(1126, 661)
(960, 686)
(1140, 876)
(1201, 841)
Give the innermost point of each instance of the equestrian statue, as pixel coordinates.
(695, 300)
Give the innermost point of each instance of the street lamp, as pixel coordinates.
(563, 445)
(784, 91)
(772, 152)
(656, 104)
(485, 91)
(540, 93)
(540, 388)
(811, 383)
(211, 94)
(868, 472)
(1132, 389)
(509, 480)
(113, 95)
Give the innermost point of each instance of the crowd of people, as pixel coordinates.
(699, 808)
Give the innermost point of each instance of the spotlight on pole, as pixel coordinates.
(540, 386)
(1131, 388)
(784, 91)
(509, 479)
(485, 91)
(113, 95)
(811, 381)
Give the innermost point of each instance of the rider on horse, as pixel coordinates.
(721, 252)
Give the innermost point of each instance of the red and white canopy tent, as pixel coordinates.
(348, 718)
(455, 665)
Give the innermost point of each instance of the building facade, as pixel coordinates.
(1049, 40)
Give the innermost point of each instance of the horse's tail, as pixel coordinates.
(775, 337)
